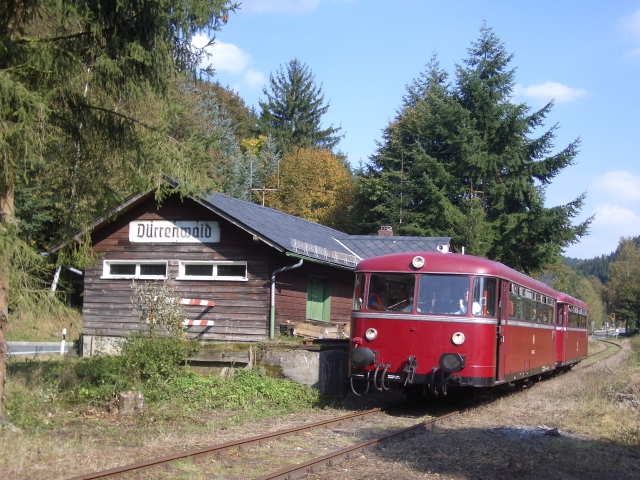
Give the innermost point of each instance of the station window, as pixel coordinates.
(222, 270)
(133, 269)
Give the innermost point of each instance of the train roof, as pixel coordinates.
(564, 298)
(455, 263)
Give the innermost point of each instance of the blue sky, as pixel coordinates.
(585, 55)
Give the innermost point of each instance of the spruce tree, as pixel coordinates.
(461, 160)
(293, 110)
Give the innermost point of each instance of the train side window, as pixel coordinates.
(528, 309)
(513, 301)
(358, 292)
(520, 308)
(560, 319)
(484, 297)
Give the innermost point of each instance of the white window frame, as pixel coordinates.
(214, 276)
(106, 269)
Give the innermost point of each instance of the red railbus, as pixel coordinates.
(443, 320)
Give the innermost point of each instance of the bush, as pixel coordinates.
(144, 364)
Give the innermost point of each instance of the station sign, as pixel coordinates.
(165, 231)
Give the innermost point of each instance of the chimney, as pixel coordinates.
(385, 231)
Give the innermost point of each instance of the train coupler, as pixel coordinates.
(384, 368)
(410, 369)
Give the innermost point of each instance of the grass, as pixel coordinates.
(606, 397)
(58, 408)
(44, 326)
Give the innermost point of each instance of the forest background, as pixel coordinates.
(100, 100)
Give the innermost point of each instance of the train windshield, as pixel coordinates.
(391, 292)
(443, 294)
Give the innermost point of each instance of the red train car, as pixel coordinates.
(572, 337)
(447, 320)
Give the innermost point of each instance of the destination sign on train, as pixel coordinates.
(164, 231)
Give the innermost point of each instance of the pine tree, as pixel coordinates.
(293, 110)
(461, 160)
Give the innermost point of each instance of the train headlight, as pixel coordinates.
(371, 334)
(362, 357)
(457, 338)
(451, 362)
(417, 262)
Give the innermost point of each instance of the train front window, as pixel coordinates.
(358, 292)
(484, 297)
(391, 292)
(443, 294)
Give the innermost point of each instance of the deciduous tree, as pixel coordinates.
(462, 160)
(623, 290)
(315, 185)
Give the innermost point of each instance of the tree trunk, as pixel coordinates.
(6, 219)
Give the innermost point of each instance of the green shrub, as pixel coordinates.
(246, 389)
(144, 364)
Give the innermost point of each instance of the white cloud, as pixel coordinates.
(619, 184)
(549, 91)
(616, 219)
(227, 57)
(254, 79)
(280, 6)
(631, 24)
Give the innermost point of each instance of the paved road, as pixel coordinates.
(34, 348)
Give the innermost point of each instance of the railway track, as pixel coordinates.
(251, 455)
(219, 456)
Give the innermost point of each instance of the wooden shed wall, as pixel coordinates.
(241, 307)
(291, 290)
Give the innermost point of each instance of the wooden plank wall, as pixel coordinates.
(291, 290)
(241, 310)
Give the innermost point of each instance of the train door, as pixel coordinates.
(561, 334)
(501, 334)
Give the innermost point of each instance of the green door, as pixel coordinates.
(318, 299)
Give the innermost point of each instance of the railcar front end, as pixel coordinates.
(414, 325)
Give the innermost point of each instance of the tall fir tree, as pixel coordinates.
(461, 160)
(292, 112)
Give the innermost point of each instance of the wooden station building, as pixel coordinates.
(220, 255)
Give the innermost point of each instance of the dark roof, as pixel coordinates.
(298, 236)
(287, 233)
(367, 246)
